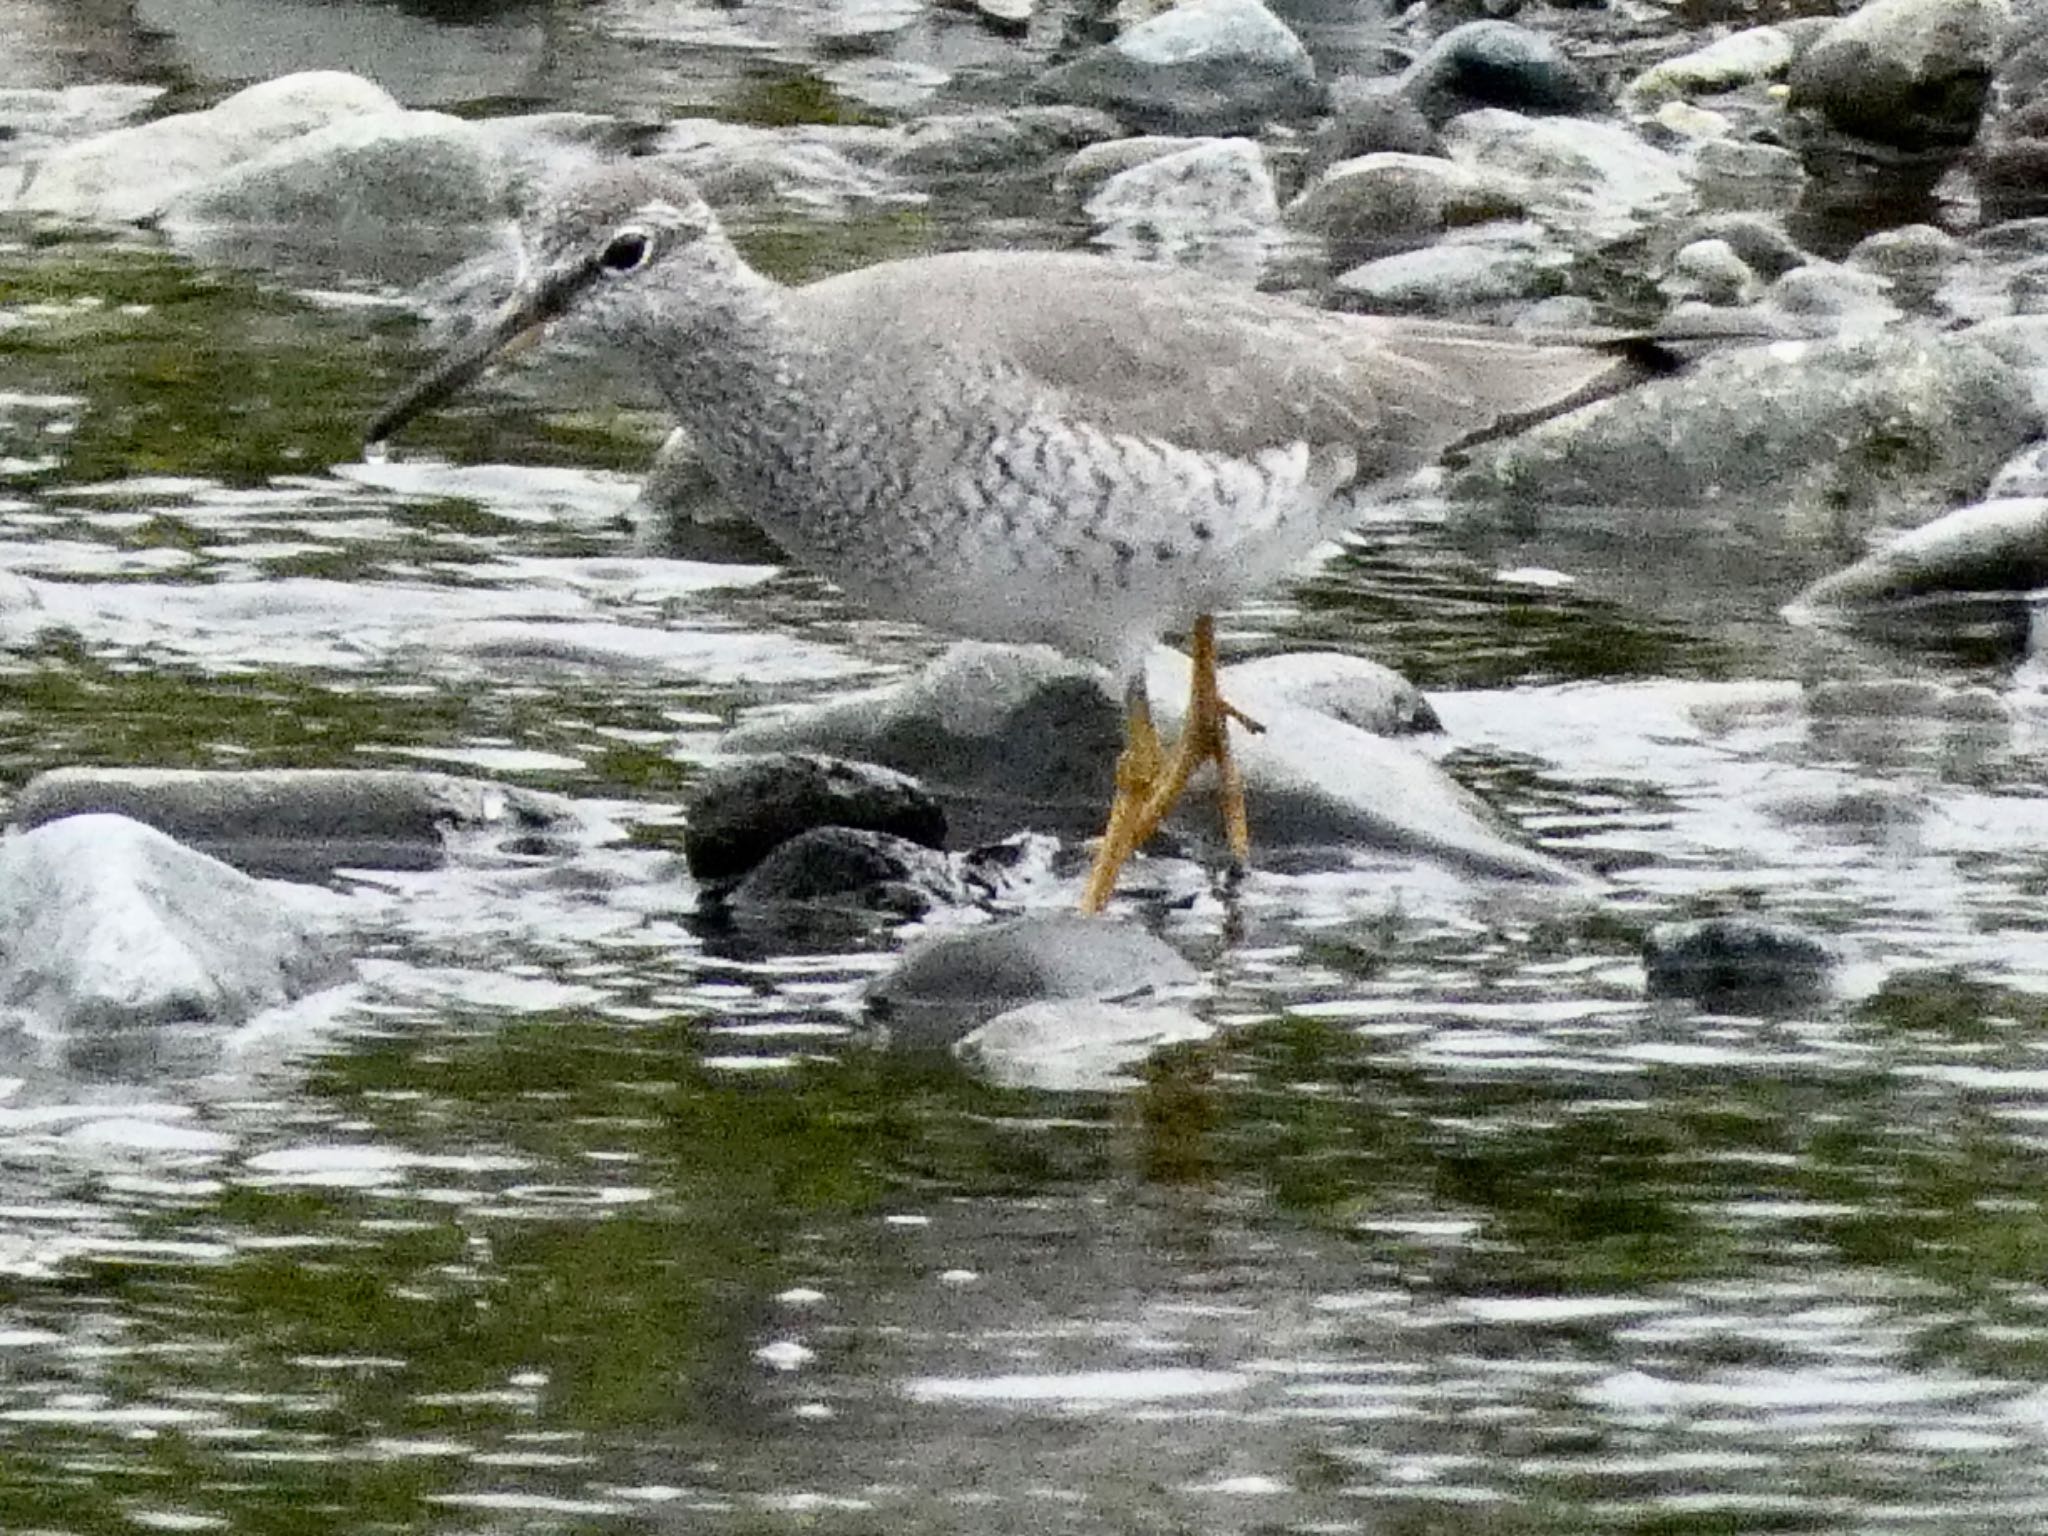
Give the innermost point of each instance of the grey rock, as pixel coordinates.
(2025, 474)
(1379, 202)
(1460, 278)
(1908, 75)
(34, 122)
(111, 925)
(1217, 187)
(366, 191)
(849, 870)
(1747, 175)
(1912, 424)
(1762, 244)
(303, 823)
(978, 143)
(865, 26)
(1353, 689)
(1497, 64)
(1017, 736)
(1216, 66)
(1825, 294)
(818, 171)
(1370, 117)
(491, 51)
(133, 174)
(952, 983)
(1087, 169)
(1994, 546)
(2012, 161)
(738, 812)
(1728, 63)
(1591, 182)
(1737, 964)
(1711, 272)
(1075, 1045)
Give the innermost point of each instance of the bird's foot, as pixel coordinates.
(1149, 783)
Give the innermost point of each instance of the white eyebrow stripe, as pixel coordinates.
(660, 211)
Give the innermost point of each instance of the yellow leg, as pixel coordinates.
(1148, 788)
(1136, 769)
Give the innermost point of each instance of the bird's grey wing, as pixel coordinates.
(1154, 352)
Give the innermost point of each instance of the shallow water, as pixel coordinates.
(575, 1214)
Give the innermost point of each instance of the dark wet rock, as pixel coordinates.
(1728, 63)
(953, 982)
(1497, 64)
(1086, 170)
(1218, 187)
(1017, 736)
(304, 823)
(1381, 202)
(1590, 182)
(2012, 162)
(1354, 689)
(1466, 276)
(1213, 66)
(1904, 75)
(1912, 423)
(107, 924)
(133, 174)
(1075, 1045)
(1370, 117)
(1737, 964)
(848, 869)
(739, 812)
(1994, 546)
(979, 143)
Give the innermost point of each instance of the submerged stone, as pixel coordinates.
(301, 823)
(1075, 1046)
(1737, 964)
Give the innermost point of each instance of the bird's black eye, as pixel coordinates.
(628, 251)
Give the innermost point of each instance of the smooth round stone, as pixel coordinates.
(1709, 270)
(1496, 64)
(953, 982)
(848, 869)
(1355, 689)
(739, 812)
(1220, 66)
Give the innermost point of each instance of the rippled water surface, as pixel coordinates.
(572, 1214)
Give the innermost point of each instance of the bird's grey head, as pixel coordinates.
(602, 250)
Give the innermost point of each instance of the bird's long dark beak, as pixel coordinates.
(516, 325)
